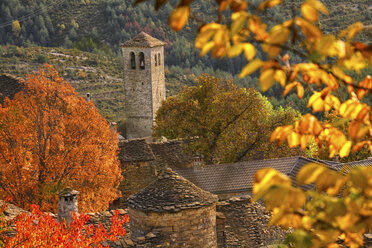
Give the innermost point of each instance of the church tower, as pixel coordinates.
(144, 83)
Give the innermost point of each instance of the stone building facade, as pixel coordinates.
(173, 212)
(144, 83)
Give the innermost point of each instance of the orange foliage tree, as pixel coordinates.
(40, 229)
(50, 138)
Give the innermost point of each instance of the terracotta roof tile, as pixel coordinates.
(171, 193)
(143, 40)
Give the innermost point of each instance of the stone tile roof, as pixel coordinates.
(238, 177)
(170, 193)
(135, 150)
(166, 154)
(346, 167)
(171, 154)
(143, 40)
(9, 86)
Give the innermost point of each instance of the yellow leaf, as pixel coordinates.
(206, 48)
(316, 102)
(345, 150)
(267, 79)
(351, 31)
(300, 90)
(281, 133)
(268, 4)
(288, 88)
(265, 178)
(235, 50)
(280, 77)
(341, 75)
(251, 67)
(239, 19)
(203, 37)
(309, 173)
(278, 35)
(178, 17)
(249, 51)
(293, 139)
(309, 12)
(310, 31)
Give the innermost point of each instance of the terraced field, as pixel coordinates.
(87, 72)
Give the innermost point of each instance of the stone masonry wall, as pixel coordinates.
(158, 79)
(138, 93)
(137, 175)
(246, 224)
(144, 90)
(187, 228)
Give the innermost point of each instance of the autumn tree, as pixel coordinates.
(50, 139)
(227, 124)
(42, 230)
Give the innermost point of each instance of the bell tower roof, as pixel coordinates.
(143, 40)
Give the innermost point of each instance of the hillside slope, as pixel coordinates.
(89, 73)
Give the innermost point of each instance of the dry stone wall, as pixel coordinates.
(246, 224)
(187, 228)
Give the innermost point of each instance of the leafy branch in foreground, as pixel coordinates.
(320, 217)
(325, 60)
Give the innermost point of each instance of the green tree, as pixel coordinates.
(229, 124)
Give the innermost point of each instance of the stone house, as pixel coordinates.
(142, 160)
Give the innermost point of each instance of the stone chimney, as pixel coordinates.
(67, 205)
(197, 161)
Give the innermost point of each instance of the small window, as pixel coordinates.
(159, 58)
(142, 60)
(156, 60)
(132, 61)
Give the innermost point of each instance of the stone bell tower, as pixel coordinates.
(144, 83)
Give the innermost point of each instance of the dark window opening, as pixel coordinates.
(132, 61)
(159, 58)
(156, 60)
(142, 60)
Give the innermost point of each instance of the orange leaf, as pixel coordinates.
(300, 90)
(178, 18)
(309, 12)
(288, 88)
(268, 4)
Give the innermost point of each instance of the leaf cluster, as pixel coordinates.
(321, 217)
(41, 229)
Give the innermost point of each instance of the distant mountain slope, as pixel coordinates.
(101, 25)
